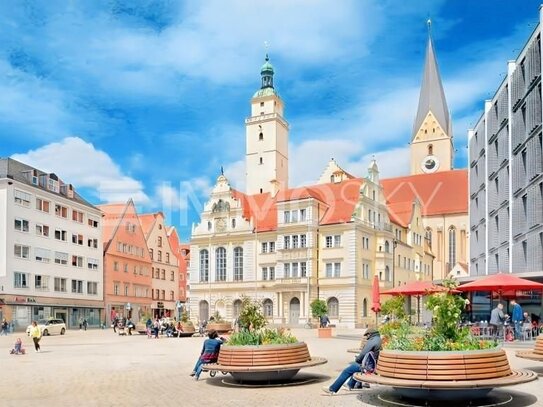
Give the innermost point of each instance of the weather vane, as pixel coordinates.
(266, 47)
(429, 24)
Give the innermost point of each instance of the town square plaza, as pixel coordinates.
(100, 368)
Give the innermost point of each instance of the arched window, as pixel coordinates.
(204, 265)
(238, 264)
(233, 223)
(220, 261)
(208, 225)
(332, 179)
(267, 305)
(430, 149)
(333, 307)
(204, 310)
(237, 308)
(365, 308)
(387, 273)
(429, 236)
(452, 247)
(261, 136)
(387, 247)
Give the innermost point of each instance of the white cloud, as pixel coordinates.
(235, 173)
(81, 164)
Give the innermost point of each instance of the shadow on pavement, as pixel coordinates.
(299, 380)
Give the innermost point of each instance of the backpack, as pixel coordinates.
(369, 363)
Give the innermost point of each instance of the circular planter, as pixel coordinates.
(536, 353)
(445, 375)
(220, 327)
(264, 363)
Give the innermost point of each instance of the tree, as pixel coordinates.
(318, 308)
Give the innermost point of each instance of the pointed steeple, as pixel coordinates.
(432, 97)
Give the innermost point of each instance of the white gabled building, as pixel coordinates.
(50, 249)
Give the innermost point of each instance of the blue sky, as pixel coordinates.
(147, 99)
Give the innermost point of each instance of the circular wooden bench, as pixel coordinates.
(264, 362)
(445, 375)
(536, 353)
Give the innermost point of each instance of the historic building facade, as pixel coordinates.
(182, 252)
(127, 263)
(506, 172)
(50, 249)
(441, 191)
(165, 268)
(288, 246)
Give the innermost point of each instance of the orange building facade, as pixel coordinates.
(127, 264)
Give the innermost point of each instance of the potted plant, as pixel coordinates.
(256, 353)
(217, 323)
(318, 310)
(186, 323)
(443, 361)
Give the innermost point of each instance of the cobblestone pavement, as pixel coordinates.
(99, 368)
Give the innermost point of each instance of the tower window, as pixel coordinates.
(261, 103)
(261, 160)
(430, 149)
(260, 190)
(434, 130)
(261, 136)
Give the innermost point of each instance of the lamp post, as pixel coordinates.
(394, 244)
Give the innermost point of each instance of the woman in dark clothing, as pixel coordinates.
(210, 352)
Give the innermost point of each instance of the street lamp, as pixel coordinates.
(128, 310)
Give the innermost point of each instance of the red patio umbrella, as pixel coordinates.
(415, 288)
(376, 307)
(500, 283)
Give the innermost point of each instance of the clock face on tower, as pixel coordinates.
(429, 164)
(220, 224)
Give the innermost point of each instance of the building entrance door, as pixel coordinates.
(294, 311)
(204, 310)
(61, 315)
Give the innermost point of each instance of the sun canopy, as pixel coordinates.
(376, 307)
(501, 282)
(415, 288)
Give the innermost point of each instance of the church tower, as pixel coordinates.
(431, 143)
(266, 158)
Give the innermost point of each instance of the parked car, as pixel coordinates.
(51, 326)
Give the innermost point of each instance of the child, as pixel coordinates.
(18, 348)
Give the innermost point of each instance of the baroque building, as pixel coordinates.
(288, 246)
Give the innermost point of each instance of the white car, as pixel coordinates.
(49, 327)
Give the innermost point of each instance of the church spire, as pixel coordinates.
(432, 97)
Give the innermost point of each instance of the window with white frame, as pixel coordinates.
(93, 223)
(21, 251)
(204, 265)
(332, 241)
(77, 286)
(61, 235)
(77, 261)
(333, 307)
(20, 280)
(333, 269)
(77, 239)
(61, 258)
(267, 305)
(302, 215)
(43, 205)
(272, 247)
(220, 266)
(41, 282)
(22, 225)
(365, 242)
(42, 230)
(22, 198)
(116, 289)
(264, 247)
(238, 264)
(366, 271)
(60, 284)
(42, 255)
(303, 241)
(286, 217)
(92, 243)
(77, 216)
(286, 270)
(61, 211)
(294, 216)
(92, 288)
(303, 269)
(126, 290)
(295, 241)
(92, 263)
(286, 242)
(294, 270)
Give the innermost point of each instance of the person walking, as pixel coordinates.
(85, 323)
(35, 334)
(372, 347)
(324, 321)
(518, 318)
(4, 327)
(497, 318)
(80, 323)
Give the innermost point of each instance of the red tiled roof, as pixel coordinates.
(441, 193)
(146, 221)
(340, 200)
(400, 213)
(112, 213)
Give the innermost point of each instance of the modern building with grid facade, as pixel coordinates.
(506, 172)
